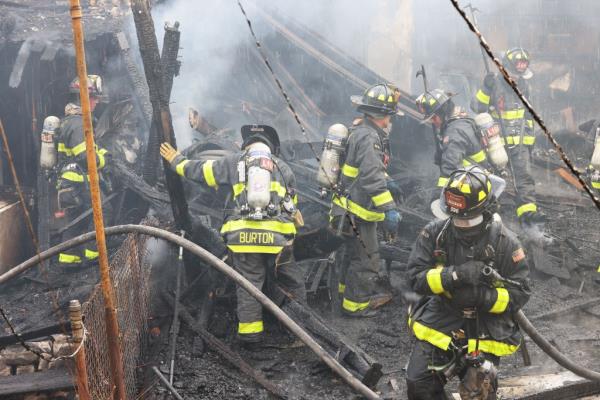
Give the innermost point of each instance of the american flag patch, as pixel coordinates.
(518, 255)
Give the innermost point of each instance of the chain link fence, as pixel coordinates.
(130, 278)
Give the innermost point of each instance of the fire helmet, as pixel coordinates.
(261, 133)
(516, 60)
(378, 100)
(94, 85)
(434, 102)
(468, 193)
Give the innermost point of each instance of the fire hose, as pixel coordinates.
(216, 263)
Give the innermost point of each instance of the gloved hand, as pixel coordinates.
(168, 152)
(469, 273)
(391, 221)
(489, 82)
(395, 190)
(466, 296)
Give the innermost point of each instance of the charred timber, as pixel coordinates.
(161, 113)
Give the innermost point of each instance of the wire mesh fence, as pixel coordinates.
(130, 278)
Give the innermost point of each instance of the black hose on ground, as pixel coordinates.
(218, 264)
(552, 351)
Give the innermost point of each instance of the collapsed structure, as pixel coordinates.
(38, 78)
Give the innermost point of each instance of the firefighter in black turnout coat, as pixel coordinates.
(365, 201)
(260, 217)
(462, 309)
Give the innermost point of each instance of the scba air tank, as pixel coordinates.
(48, 154)
(492, 141)
(258, 187)
(333, 149)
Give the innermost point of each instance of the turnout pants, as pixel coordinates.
(360, 266)
(255, 267)
(423, 384)
(87, 252)
(520, 158)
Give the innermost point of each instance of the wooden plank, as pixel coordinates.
(44, 381)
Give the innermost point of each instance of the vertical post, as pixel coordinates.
(112, 324)
(83, 389)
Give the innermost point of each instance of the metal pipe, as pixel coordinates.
(167, 384)
(218, 264)
(83, 388)
(112, 324)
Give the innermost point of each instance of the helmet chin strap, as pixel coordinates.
(467, 223)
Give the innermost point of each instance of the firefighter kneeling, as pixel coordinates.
(473, 275)
(261, 217)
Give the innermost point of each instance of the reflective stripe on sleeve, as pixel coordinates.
(596, 185)
(245, 328)
(352, 306)
(502, 301)
(350, 171)
(91, 254)
(80, 148)
(101, 159)
(529, 207)
(383, 198)
(72, 176)
(62, 148)
(341, 288)
(478, 157)
(209, 176)
(434, 280)
(65, 258)
(482, 97)
(180, 168)
(493, 347)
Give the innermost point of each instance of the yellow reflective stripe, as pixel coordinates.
(341, 288)
(295, 199)
(246, 328)
(68, 258)
(529, 123)
(598, 268)
(285, 228)
(80, 148)
(436, 338)
(350, 171)
(482, 97)
(101, 160)
(434, 280)
(180, 168)
(492, 347)
(596, 185)
(442, 181)
(238, 248)
(209, 176)
(383, 198)
(72, 176)
(62, 148)
(501, 303)
(91, 254)
(352, 306)
(529, 207)
(276, 187)
(527, 140)
(238, 188)
(513, 114)
(358, 210)
(478, 157)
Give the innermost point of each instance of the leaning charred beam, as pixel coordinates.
(161, 113)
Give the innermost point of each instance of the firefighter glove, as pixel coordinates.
(391, 221)
(168, 152)
(466, 296)
(469, 273)
(489, 82)
(395, 189)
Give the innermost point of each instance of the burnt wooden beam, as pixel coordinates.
(44, 381)
(221, 348)
(161, 113)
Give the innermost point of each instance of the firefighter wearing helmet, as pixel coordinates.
(464, 315)
(458, 140)
(73, 186)
(260, 218)
(364, 200)
(498, 98)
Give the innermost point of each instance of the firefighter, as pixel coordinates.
(364, 200)
(260, 217)
(73, 184)
(497, 97)
(459, 142)
(459, 306)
